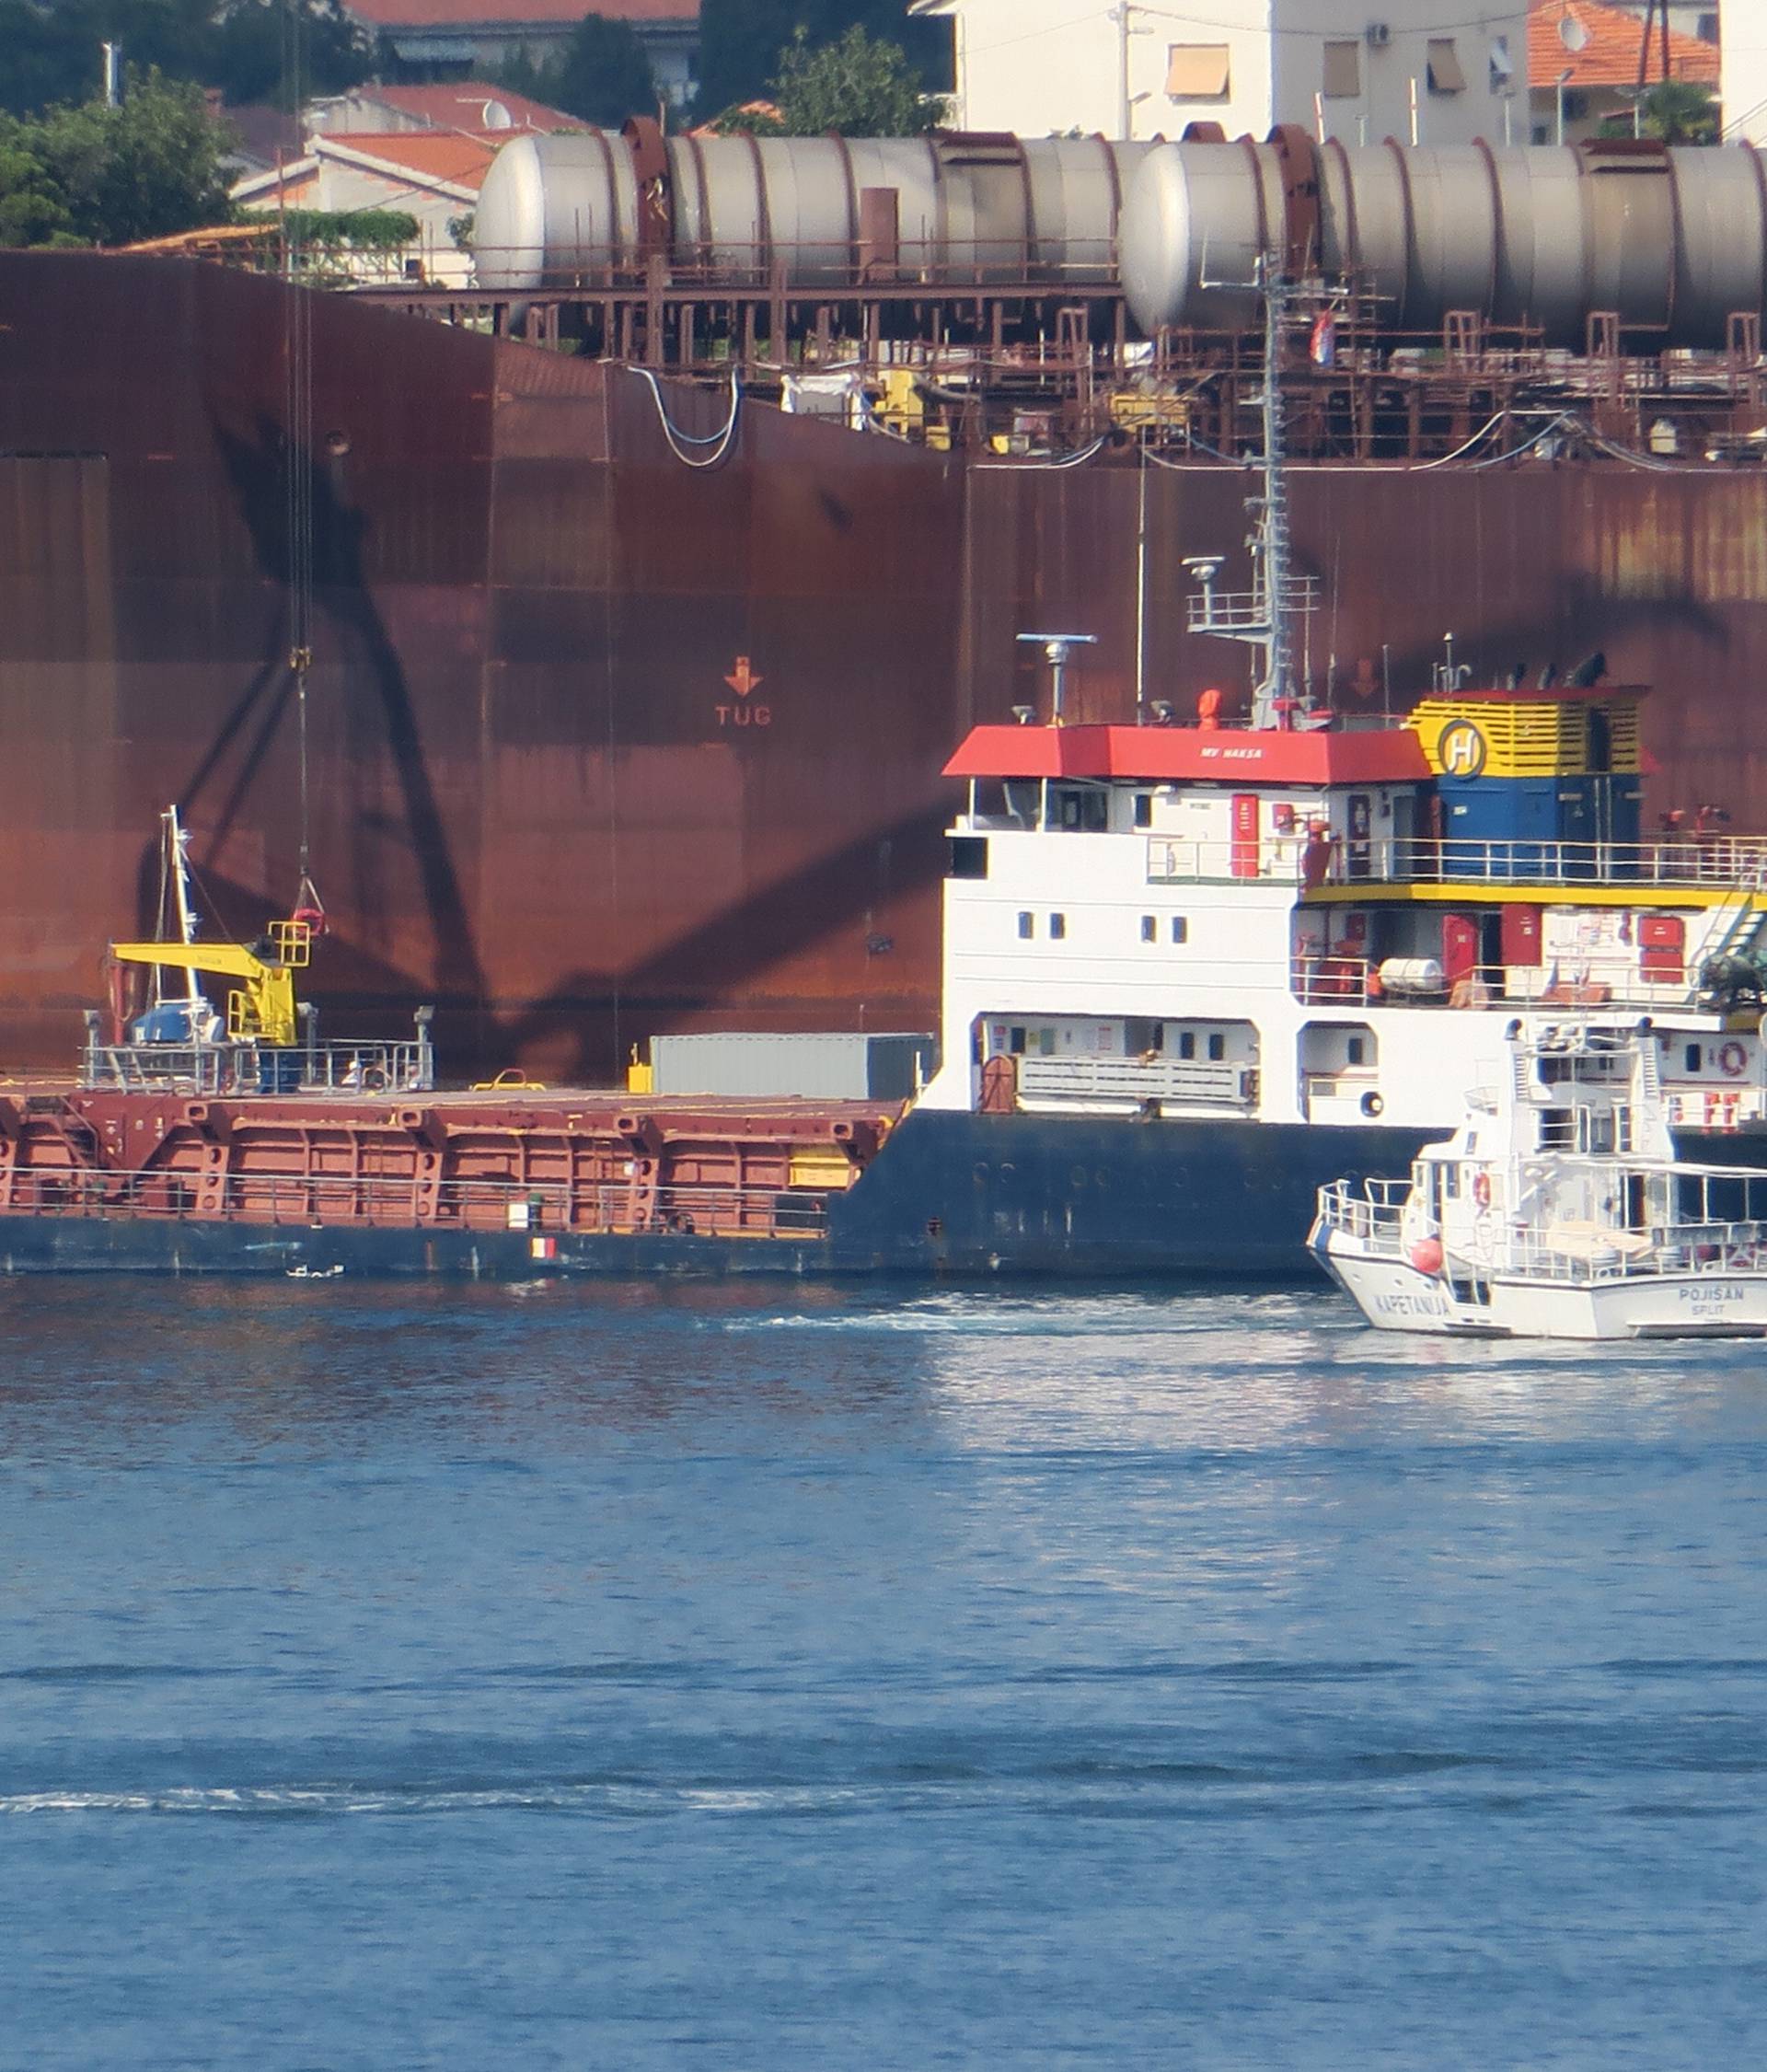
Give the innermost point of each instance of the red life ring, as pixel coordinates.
(1482, 1189)
(1732, 1059)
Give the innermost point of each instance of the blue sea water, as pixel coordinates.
(647, 1676)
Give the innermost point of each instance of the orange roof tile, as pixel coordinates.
(447, 155)
(460, 105)
(1609, 57)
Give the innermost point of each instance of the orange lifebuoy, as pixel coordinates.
(1732, 1059)
(1482, 1189)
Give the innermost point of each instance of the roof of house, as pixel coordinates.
(461, 105)
(460, 157)
(1610, 55)
(467, 14)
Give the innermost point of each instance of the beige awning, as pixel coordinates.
(1445, 74)
(1343, 71)
(1197, 72)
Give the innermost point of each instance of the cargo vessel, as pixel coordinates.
(1192, 974)
(608, 741)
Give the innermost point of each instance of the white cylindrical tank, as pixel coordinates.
(551, 205)
(1672, 242)
(555, 209)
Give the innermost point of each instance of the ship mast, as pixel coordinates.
(177, 842)
(1263, 618)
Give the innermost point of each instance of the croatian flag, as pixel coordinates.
(1324, 346)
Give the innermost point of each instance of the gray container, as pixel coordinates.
(835, 1067)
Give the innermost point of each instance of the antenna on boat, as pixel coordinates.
(1264, 617)
(1058, 650)
(179, 870)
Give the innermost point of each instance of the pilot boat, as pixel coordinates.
(1558, 1210)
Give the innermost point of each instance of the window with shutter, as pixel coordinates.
(1197, 72)
(1444, 67)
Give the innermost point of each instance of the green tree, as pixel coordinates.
(858, 86)
(31, 209)
(602, 73)
(252, 50)
(261, 52)
(1680, 111)
(146, 169)
(740, 40)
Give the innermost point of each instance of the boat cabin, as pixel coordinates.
(1328, 915)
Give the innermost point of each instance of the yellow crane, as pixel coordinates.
(260, 1009)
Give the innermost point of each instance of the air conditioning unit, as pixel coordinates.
(1378, 35)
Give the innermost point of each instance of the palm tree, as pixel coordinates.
(1680, 111)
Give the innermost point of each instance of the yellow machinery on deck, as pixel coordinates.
(260, 1009)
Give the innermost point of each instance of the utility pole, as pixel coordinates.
(1122, 15)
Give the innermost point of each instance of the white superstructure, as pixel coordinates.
(1306, 925)
(1558, 1210)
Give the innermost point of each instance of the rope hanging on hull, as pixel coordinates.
(298, 488)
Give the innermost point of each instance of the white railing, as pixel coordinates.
(1738, 864)
(1373, 1215)
(1370, 1212)
(1582, 981)
(238, 1071)
(1216, 1084)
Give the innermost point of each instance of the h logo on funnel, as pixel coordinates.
(1461, 749)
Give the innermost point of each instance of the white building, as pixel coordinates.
(1444, 70)
(450, 39)
(1745, 73)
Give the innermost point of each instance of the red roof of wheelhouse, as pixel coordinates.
(1165, 754)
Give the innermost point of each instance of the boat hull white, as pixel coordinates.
(1394, 1295)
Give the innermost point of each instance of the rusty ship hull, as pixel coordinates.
(604, 742)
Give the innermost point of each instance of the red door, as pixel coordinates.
(1521, 950)
(1459, 946)
(1662, 948)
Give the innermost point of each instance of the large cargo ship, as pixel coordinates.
(619, 724)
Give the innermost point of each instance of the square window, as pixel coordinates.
(1149, 928)
(1217, 1048)
(1180, 929)
(1197, 72)
(1027, 927)
(1057, 928)
(1343, 79)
